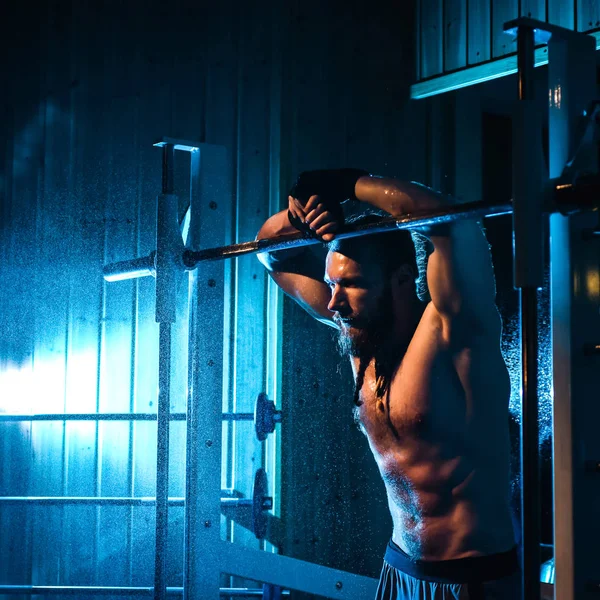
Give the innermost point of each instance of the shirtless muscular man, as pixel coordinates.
(431, 386)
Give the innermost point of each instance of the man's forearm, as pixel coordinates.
(398, 197)
(276, 225)
(303, 260)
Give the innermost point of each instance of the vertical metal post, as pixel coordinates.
(168, 168)
(166, 230)
(574, 306)
(272, 458)
(528, 277)
(530, 479)
(162, 462)
(210, 194)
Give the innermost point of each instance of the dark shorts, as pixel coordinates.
(492, 577)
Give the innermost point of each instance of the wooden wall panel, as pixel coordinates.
(535, 9)
(15, 566)
(143, 521)
(455, 34)
(468, 186)
(120, 124)
(85, 309)
(588, 15)
(561, 13)
(19, 147)
(51, 295)
(431, 35)
(479, 27)
(441, 46)
(501, 13)
(79, 524)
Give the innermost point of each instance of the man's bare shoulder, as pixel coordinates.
(440, 349)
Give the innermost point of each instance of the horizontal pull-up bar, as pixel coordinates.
(566, 198)
(145, 266)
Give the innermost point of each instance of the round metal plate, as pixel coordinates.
(264, 417)
(260, 492)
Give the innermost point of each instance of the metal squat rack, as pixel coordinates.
(567, 192)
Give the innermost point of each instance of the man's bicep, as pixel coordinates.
(312, 295)
(460, 275)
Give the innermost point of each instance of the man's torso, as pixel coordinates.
(440, 439)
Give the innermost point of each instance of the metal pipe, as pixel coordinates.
(228, 416)
(530, 477)
(528, 272)
(75, 590)
(162, 461)
(131, 269)
(525, 62)
(470, 210)
(90, 417)
(528, 196)
(229, 499)
(85, 501)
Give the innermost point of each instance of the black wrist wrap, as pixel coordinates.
(334, 186)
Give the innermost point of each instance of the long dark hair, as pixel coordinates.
(385, 365)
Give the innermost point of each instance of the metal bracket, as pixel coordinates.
(584, 161)
(183, 145)
(543, 32)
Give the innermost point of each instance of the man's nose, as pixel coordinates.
(338, 301)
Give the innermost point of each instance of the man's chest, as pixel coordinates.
(425, 401)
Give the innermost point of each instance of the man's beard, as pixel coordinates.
(369, 337)
(370, 340)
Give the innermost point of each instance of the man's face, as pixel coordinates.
(361, 303)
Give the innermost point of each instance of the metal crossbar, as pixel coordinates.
(130, 269)
(226, 416)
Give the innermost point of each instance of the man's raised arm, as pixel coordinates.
(297, 271)
(460, 276)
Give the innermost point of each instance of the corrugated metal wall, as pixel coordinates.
(454, 34)
(284, 87)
